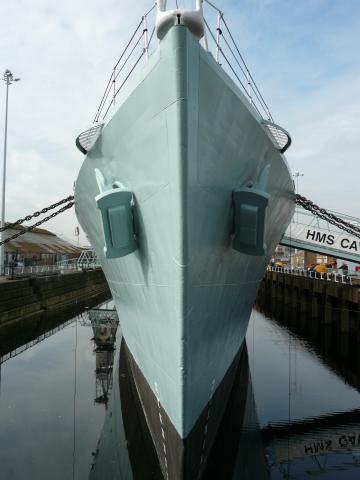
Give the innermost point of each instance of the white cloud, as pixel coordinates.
(302, 56)
(63, 53)
(304, 59)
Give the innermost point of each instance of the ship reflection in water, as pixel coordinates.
(125, 449)
(292, 412)
(302, 435)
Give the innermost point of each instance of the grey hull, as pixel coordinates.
(182, 140)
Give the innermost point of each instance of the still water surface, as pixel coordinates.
(61, 409)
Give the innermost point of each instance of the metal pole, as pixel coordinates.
(114, 86)
(8, 79)
(145, 31)
(297, 175)
(206, 45)
(2, 247)
(249, 85)
(218, 33)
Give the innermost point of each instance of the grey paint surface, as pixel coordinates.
(182, 140)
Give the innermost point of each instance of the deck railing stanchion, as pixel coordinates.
(145, 31)
(218, 33)
(249, 86)
(114, 85)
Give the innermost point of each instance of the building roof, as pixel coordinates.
(37, 241)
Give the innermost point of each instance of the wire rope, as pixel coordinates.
(247, 69)
(125, 80)
(108, 87)
(263, 105)
(230, 65)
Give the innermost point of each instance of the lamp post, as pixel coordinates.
(297, 175)
(8, 79)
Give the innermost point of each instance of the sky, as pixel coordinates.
(303, 55)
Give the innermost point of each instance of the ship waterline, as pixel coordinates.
(182, 140)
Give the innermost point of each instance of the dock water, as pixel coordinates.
(294, 408)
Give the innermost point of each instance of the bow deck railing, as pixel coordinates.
(217, 39)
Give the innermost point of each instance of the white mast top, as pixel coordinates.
(193, 19)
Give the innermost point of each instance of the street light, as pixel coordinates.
(8, 79)
(297, 175)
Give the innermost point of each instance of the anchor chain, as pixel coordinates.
(327, 216)
(40, 222)
(37, 214)
(300, 200)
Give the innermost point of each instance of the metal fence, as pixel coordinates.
(99, 316)
(13, 271)
(40, 270)
(300, 272)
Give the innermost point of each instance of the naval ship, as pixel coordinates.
(184, 194)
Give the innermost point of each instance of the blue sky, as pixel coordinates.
(303, 55)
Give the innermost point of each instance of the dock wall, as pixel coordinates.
(334, 303)
(324, 314)
(31, 296)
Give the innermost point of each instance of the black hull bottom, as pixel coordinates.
(148, 429)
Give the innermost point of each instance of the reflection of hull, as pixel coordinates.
(126, 448)
(182, 458)
(238, 451)
(182, 141)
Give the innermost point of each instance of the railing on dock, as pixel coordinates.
(31, 270)
(300, 272)
(39, 270)
(86, 261)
